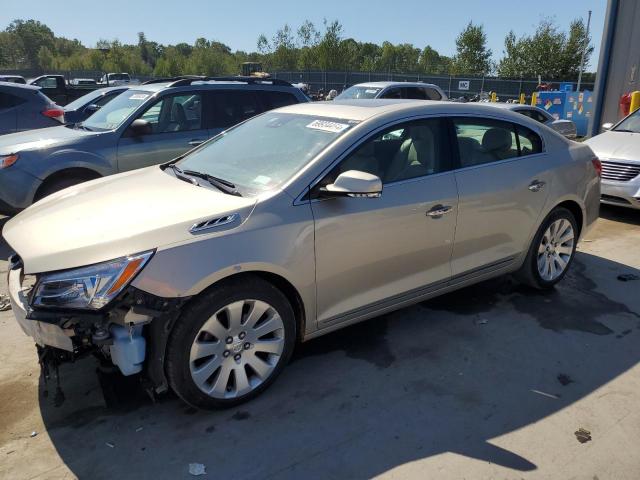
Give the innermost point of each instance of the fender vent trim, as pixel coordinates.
(214, 223)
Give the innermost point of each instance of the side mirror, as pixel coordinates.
(140, 127)
(354, 183)
(92, 108)
(607, 126)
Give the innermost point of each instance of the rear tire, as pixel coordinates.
(551, 252)
(230, 344)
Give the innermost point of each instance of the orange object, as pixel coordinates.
(625, 104)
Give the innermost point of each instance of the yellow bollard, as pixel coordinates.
(534, 98)
(635, 101)
(494, 97)
(522, 99)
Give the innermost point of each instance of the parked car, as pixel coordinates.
(147, 125)
(83, 81)
(85, 106)
(564, 127)
(12, 79)
(57, 89)
(23, 107)
(204, 272)
(397, 90)
(116, 79)
(619, 151)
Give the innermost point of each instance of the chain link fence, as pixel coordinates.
(453, 85)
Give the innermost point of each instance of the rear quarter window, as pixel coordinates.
(529, 141)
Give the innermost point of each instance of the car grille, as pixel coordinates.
(620, 172)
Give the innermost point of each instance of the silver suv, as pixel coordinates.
(393, 90)
(203, 273)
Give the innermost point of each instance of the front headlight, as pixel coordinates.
(89, 287)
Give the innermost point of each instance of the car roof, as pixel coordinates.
(209, 84)
(19, 85)
(510, 106)
(394, 84)
(361, 110)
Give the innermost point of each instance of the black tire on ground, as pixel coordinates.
(57, 185)
(177, 364)
(528, 273)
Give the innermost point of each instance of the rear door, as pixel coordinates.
(503, 182)
(372, 252)
(227, 108)
(8, 112)
(177, 126)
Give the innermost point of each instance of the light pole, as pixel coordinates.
(584, 50)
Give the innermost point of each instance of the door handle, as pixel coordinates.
(196, 142)
(438, 211)
(536, 185)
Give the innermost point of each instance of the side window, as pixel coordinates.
(47, 83)
(392, 93)
(526, 113)
(530, 142)
(273, 100)
(405, 151)
(178, 113)
(7, 100)
(432, 94)
(540, 117)
(415, 93)
(483, 141)
(232, 107)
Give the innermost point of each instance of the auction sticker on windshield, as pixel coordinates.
(326, 126)
(138, 96)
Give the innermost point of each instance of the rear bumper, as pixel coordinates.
(623, 194)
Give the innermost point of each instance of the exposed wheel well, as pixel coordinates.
(285, 287)
(575, 209)
(84, 174)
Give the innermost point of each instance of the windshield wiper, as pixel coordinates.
(80, 125)
(221, 184)
(180, 174)
(624, 130)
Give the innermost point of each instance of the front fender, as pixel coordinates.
(67, 158)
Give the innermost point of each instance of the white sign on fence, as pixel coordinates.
(463, 85)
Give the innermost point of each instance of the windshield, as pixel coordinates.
(83, 100)
(630, 124)
(114, 113)
(357, 92)
(263, 153)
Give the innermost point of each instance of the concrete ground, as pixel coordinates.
(494, 381)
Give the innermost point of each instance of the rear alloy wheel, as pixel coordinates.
(551, 251)
(230, 344)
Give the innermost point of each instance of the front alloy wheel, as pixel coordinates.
(230, 343)
(237, 349)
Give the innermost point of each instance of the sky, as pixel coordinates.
(238, 23)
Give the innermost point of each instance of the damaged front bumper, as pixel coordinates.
(131, 331)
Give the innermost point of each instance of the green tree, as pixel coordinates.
(472, 55)
(30, 36)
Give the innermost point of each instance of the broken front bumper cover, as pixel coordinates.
(74, 331)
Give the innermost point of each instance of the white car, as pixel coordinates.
(393, 90)
(618, 148)
(564, 127)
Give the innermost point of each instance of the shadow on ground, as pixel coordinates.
(620, 214)
(450, 374)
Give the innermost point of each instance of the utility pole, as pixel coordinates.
(584, 50)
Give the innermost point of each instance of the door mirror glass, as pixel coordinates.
(140, 127)
(354, 183)
(607, 126)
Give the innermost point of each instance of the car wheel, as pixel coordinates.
(230, 344)
(551, 251)
(57, 185)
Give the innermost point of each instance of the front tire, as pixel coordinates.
(230, 344)
(552, 250)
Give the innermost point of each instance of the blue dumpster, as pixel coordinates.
(576, 106)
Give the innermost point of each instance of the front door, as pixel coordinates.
(176, 126)
(371, 251)
(503, 183)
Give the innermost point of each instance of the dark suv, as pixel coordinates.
(24, 107)
(146, 125)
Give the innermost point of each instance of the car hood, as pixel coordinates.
(114, 216)
(40, 139)
(616, 145)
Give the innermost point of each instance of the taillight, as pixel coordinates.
(597, 164)
(54, 112)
